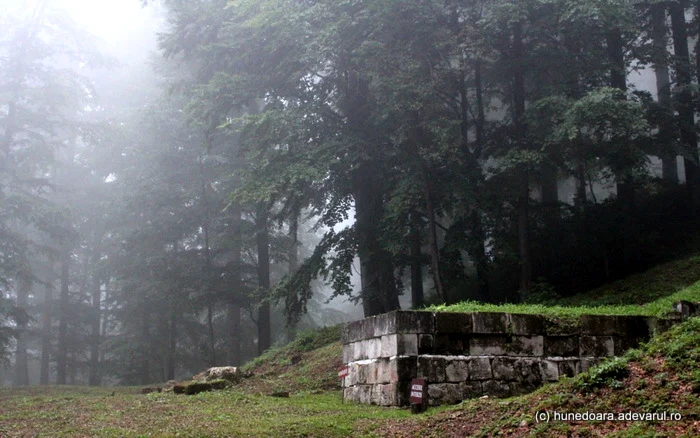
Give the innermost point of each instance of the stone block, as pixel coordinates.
(399, 345)
(517, 369)
(685, 308)
(561, 346)
(527, 325)
(352, 332)
(364, 394)
(375, 394)
(489, 323)
(561, 327)
(549, 370)
(569, 368)
(358, 350)
(488, 345)
(444, 394)
(635, 326)
(347, 353)
(471, 389)
(597, 346)
(372, 372)
(402, 369)
(368, 327)
(448, 344)
(432, 368)
(456, 370)
(361, 374)
(382, 325)
(453, 323)
(403, 391)
(587, 364)
(426, 344)
(529, 371)
(496, 388)
(388, 395)
(504, 368)
(660, 325)
(601, 325)
(525, 346)
(349, 394)
(479, 368)
(353, 375)
(408, 321)
(374, 348)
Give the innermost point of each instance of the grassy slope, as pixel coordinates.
(314, 408)
(663, 377)
(651, 293)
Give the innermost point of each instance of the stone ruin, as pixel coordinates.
(468, 355)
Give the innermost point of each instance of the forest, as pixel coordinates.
(196, 204)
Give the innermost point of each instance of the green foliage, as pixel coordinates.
(541, 292)
(609, 374)
(313, 339)
(659, 307)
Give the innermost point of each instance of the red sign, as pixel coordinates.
(343, 372)
(417, 391)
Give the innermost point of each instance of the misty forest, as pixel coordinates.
(187, 183)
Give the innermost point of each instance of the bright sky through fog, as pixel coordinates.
(111, 20)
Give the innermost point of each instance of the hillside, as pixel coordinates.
(661, 376)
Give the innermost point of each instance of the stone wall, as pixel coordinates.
(467, 355)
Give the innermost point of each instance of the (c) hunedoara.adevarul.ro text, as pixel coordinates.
(547, 416)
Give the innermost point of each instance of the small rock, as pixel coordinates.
(230, 374)
(484, 396)
(523, 423)
(169, 385)
(150, 389)
(179, 388)
(197, 387)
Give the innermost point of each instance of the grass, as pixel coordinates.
(63, 412)
(661, 376)
(651, 293)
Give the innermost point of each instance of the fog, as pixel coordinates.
(91, 86)
(186, 184)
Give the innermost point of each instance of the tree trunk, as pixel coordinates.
(432, 236)
(46, 325)
(262, 239)
(233, 318)
(62, 355)
(417, 295)
(105, 319)
(625, 184)
(94, 378)
(207, 264)
(172, 344)
(379, 294)
(95, 338)
(478, 237)
(293, 257)
(145, 371)
(696, 13)
(663, 91)
(686, 116)
(21, 359)
(524, 192)
(294, 242)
